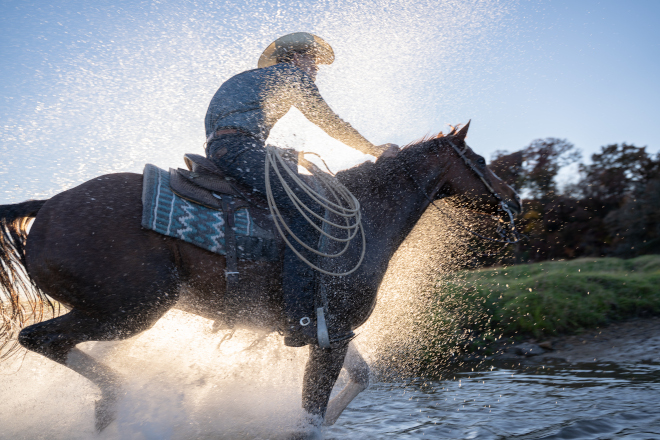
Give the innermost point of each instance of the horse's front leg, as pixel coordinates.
(321, 372)
(358, 372)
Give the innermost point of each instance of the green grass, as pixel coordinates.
(549, 298)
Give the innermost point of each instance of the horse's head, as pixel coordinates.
(446, 167)
(473, 183)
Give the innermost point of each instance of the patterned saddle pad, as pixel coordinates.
(166, 213)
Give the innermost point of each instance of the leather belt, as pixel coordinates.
(227, 131)
(219, 132)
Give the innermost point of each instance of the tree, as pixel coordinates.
(615, 173)
(534, 169)
(635, 226)
(542, 160)
(613, 210)
(508, 167)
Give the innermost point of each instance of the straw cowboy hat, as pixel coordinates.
(297, 42)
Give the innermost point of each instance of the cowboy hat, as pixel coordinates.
(297, 42)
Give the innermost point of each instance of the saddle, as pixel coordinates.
(206, 184)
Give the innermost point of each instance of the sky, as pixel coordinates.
(93, 87)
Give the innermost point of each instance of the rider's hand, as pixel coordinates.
(388, 150)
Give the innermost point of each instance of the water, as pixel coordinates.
(180, 385)
(582, 401)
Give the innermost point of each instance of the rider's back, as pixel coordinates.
(253, 101)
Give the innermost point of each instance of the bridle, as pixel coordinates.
(504, 229)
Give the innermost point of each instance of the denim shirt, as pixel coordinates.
(253, 101)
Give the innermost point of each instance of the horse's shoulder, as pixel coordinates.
(358, 173)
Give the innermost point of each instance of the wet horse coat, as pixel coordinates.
(87, 250)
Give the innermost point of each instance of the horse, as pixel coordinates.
(87, 250)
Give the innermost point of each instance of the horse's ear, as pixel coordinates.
(463, 131)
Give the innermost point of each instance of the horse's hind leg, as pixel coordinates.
(56, 339)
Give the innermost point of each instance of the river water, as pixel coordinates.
(183, 382)
(580, 401)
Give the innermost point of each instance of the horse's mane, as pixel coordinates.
(386, 168)
(430, 137)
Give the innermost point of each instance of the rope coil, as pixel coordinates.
(345, 205)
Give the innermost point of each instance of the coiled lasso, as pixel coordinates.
(345, 205)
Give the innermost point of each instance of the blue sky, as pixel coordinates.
(90, 87)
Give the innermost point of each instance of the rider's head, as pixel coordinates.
(305, 61)
(304, 50)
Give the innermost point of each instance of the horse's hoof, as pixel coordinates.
(105, 411)
(304, 436)
(308, 429)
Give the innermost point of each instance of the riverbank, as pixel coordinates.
(633, 341)
(578, 311)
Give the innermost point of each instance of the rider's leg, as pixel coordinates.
(298, 289)
(243, 158)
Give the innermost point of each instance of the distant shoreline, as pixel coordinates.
(633, 341)
(583, 310)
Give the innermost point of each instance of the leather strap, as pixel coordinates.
(219, 132)
(226, 131)
(231, 270)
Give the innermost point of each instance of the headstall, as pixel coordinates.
(502, 225)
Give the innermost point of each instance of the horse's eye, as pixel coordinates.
(481, 162)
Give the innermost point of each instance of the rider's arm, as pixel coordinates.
(310, 102)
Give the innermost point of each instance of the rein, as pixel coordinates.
(501, 230)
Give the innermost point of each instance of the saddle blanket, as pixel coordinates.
(166, 213)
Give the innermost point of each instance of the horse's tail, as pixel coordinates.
(21, 302)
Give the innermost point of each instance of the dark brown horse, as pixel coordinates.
(87, 250)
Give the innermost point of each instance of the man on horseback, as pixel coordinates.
(238, 121)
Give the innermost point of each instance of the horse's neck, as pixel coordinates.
(389, 220)
(391, 207)
(392, 202)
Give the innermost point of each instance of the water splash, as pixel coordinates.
(119, 86)
(113, 87)
(180, 384)
(184, 381)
